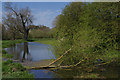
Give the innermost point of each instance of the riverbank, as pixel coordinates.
(49, 41)
(100, 70)
(88, 72)
(9, 43)
(9, 68)
(8, 65)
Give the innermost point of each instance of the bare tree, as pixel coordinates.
(11, 25)
(22, 18)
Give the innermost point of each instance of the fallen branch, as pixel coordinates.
(75, 64)
(60, 63)
(59, 58)
(46, 67)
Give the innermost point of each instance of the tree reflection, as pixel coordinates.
(26, 54)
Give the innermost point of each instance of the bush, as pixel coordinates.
(91, 29)
(14, 70)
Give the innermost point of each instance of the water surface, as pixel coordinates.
(35, 53)
(31, 51)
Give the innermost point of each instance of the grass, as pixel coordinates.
(20, 71)
(49, 41)
(14, 70)
(89, 76)
(10, 69)
(9, 43)
(6, 55)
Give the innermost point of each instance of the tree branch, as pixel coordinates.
(13, 11)
(59, 57)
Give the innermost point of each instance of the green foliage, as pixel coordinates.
(7, 55)
(41, 32)
(9, 43)
(8, 66)
(92, 29)
(14, 70)
(4, 52)
(50, 41)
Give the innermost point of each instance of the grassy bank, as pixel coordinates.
(9, 43)
(6, 55)
(14, 70)
(10, 69)
(49, 41)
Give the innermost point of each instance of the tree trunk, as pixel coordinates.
(26, 32)
(13, 36)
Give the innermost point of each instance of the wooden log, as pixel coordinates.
(48, 67)
(59, 57)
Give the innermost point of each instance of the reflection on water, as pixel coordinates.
(110, 72)
(31, 51)
(26, 52)
(43, 74)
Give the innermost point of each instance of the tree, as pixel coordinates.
(40, 31)
(92, 28)
(22, 17)
(11, 25)
(4, 32)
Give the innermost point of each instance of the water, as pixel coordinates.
(43, 74)
(31, 51)
(37, 52)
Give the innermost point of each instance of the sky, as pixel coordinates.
(0, 12)
(44, 12)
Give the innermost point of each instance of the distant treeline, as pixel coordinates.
(92, 29)
(40, 31)
(17, 23)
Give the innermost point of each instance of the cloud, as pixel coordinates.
(44, 18)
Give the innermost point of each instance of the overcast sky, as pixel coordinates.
(44, 12)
